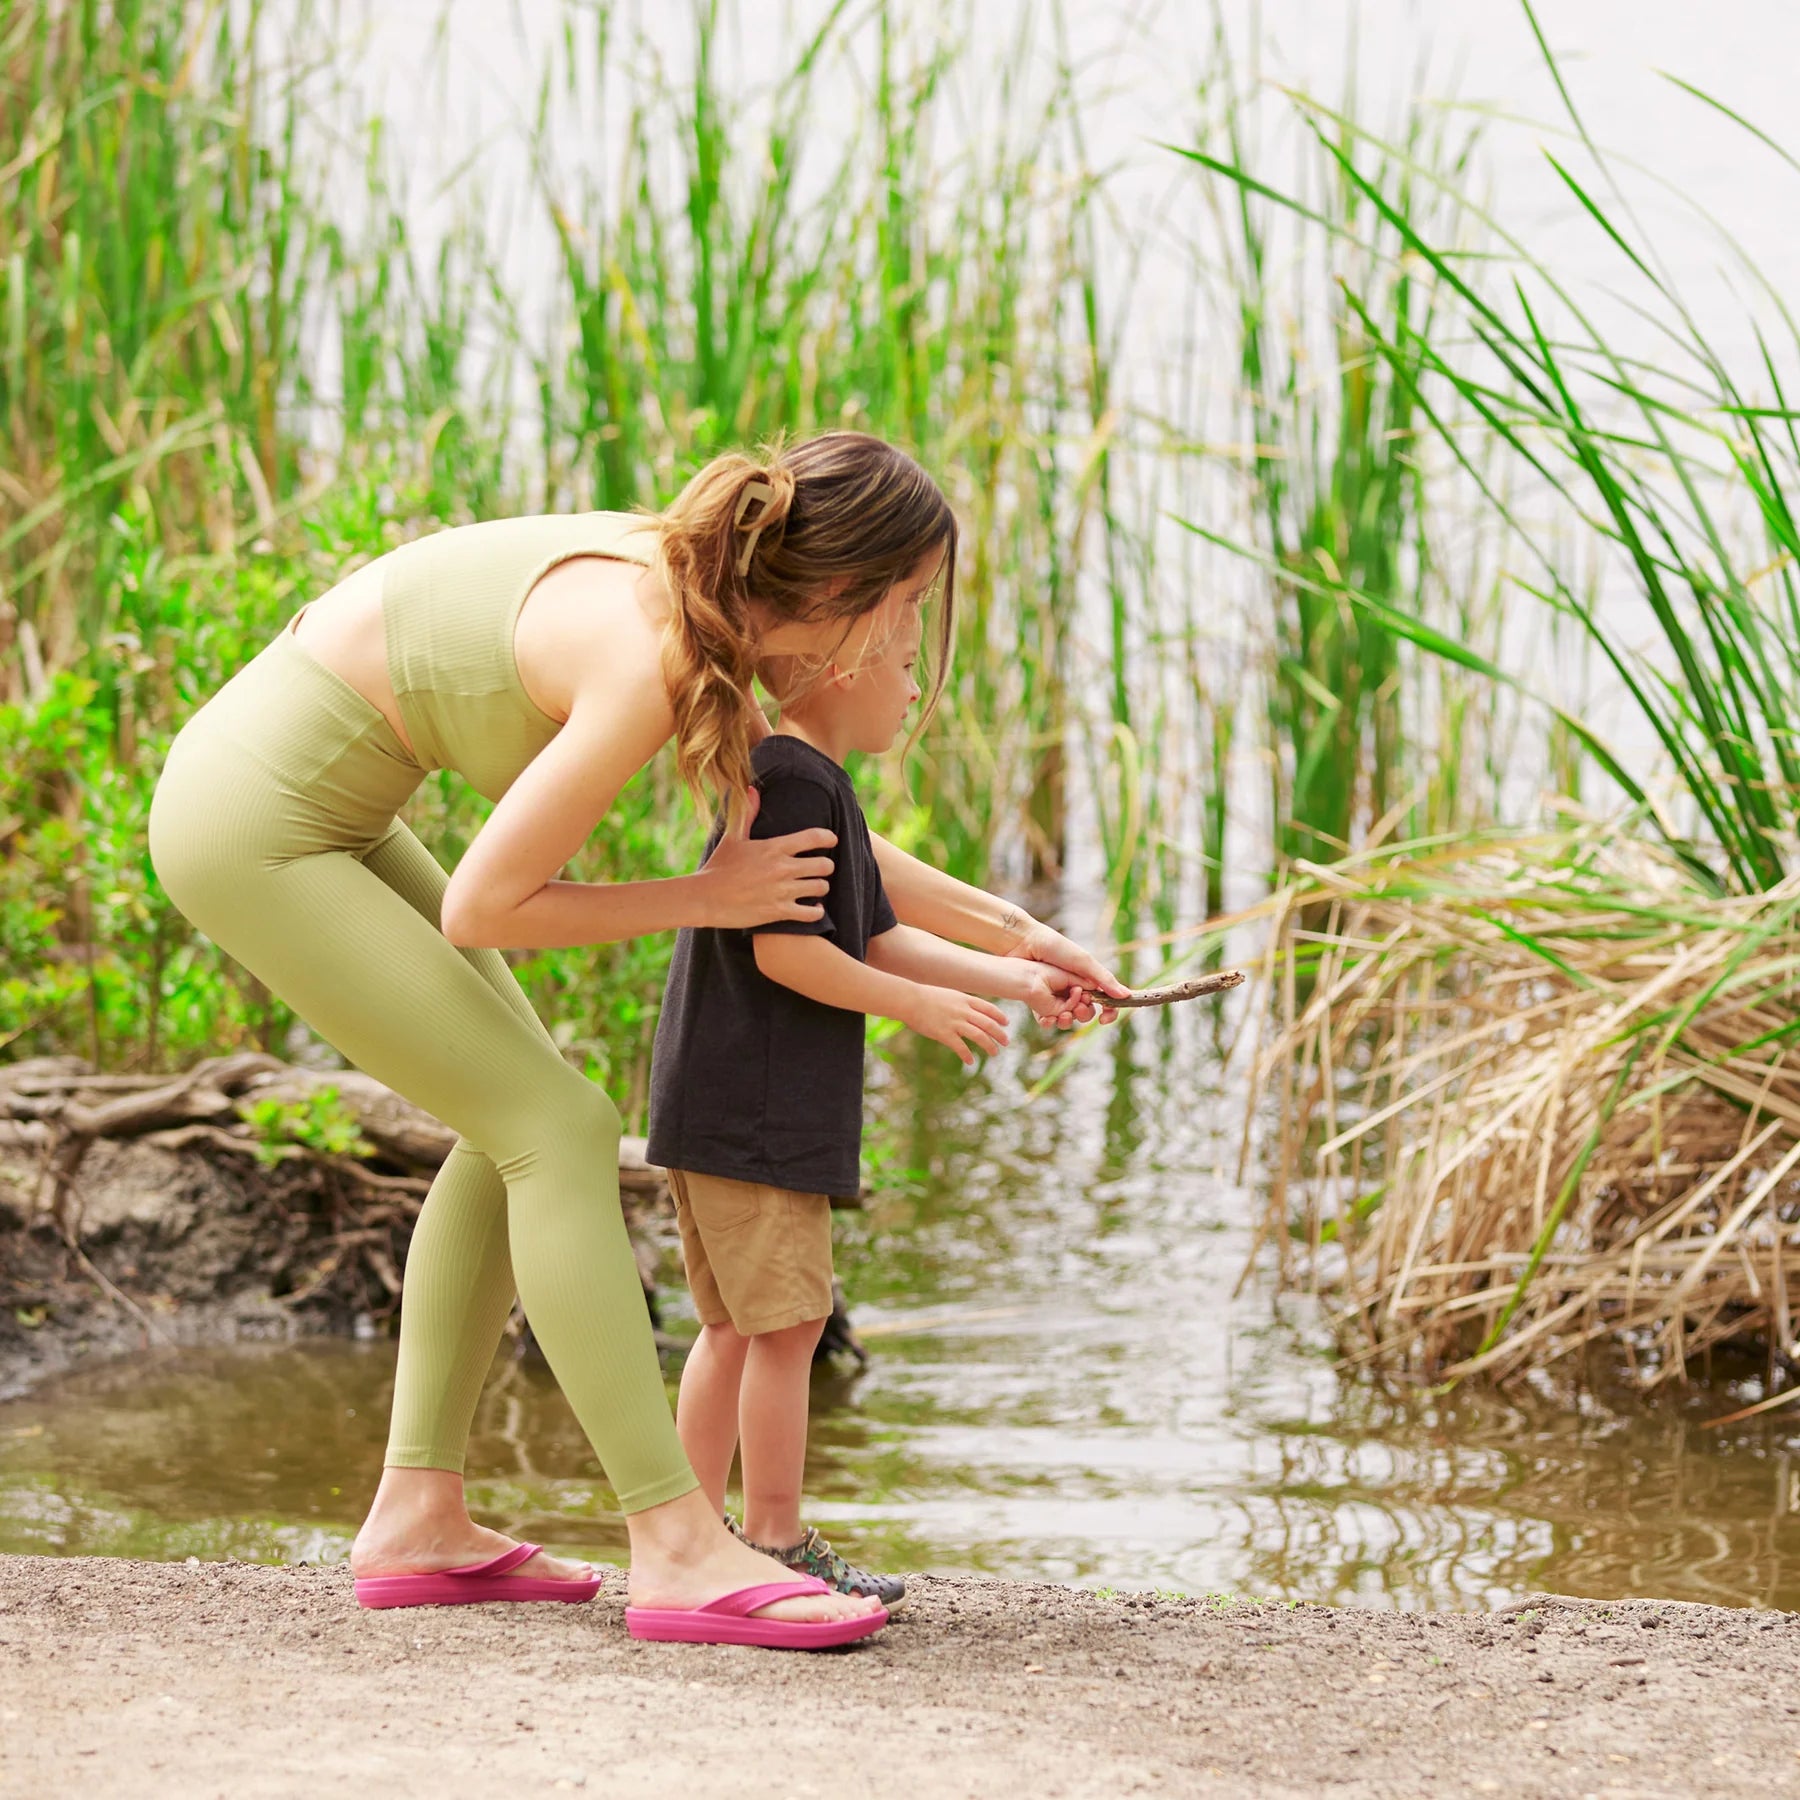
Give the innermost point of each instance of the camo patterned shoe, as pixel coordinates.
(813, 1556)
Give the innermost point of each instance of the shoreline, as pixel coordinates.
(90, 1334)
(170, 1680)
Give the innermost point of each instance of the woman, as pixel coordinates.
(547, 660)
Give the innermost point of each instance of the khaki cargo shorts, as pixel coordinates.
(758, 1258)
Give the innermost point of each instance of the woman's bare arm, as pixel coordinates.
(1050, 990)
(946, 907)
(506, 893)
(923, 956)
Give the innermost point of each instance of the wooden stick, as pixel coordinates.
(1167, 996)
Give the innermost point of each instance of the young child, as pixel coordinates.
(757, 1087)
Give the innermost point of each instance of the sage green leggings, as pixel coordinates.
(273, 829)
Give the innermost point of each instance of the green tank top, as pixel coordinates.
(450, 603)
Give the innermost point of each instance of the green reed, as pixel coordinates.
(142, 344)
(1334, 331)
(1528, 394)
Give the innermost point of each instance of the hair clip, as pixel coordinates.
(755, 490)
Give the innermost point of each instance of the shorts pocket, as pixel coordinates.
(721, 1204)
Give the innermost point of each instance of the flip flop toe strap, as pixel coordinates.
(746, 1600)
(503, 1564)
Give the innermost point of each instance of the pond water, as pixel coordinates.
(1062, 1386)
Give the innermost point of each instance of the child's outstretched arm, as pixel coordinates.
(924, 956)
(937, 902)
(821, 971)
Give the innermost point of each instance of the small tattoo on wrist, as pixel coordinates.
(1012, 921)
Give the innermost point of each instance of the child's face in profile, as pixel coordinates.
(881, 690)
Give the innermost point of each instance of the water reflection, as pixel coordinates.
(1063, 1387)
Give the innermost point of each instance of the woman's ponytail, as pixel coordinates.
(728, 515)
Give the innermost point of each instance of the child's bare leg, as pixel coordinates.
(772, 1407)
(706, 1416)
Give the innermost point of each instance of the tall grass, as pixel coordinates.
(1647, 457)
(1337, 333)
(1537, 1094)
(1541, 1094)
(150, 243)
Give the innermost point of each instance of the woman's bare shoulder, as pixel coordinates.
(592, 630)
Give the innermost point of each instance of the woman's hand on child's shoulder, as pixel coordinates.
(957, 1019)
(758, 881)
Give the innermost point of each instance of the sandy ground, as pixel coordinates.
(154, 1681)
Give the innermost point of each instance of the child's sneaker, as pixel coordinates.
(814, 1556)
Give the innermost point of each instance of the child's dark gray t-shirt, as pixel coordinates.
(749, 1079)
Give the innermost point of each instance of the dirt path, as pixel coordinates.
(162, 1681)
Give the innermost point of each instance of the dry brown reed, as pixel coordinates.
(1537, 1094)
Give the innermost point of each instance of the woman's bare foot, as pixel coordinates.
(682, 1556)
(420, 1524)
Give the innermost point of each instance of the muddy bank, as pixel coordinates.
(187, 1680)
(171, 1248)
(244, 1199)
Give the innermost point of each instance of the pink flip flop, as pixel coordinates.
(726, 1620)
(491, 1580)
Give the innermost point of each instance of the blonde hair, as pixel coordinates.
(814, 532)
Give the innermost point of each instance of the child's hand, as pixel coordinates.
(1046, 990)
(1065, 975)
(951, 1018)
